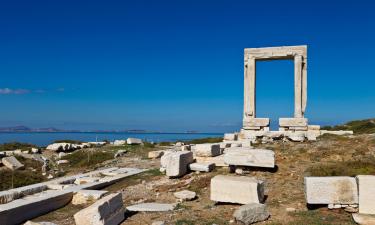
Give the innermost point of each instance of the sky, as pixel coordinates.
(178, 65)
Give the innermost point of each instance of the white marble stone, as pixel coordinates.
(134, 141)
(177, 163)
(251, 157)
(293, 122)
(86, 196)
(12, 163)
(106, 211)
(366, 193)
(230, 136)
(185, 195)
(202, 167)
(236, 189)
(151, 207)
(155, 154)
(331, 190)
(207, 150)
(251, 213)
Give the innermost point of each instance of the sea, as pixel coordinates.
(46, 138)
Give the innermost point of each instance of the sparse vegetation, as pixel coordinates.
(205, 140)
(11, 146)
(349, 168)
(357, 126)
(87, 158)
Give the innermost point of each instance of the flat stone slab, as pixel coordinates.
(202, 167)
(250, 157)
(331, 190)
(185, 195)
(217, 160)
(251, 213)
(363, 219)
(257, 122)
(151, 207)
(108, 210)
(12, 163)
(366, 194)
(237, 189)
(207, 150)
(293, 122)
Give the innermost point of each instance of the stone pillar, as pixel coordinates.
(298, 86)
(249, 88)
(304, 85)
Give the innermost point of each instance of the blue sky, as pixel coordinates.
(178, 65)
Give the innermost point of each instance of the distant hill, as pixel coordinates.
(28, 129)
(357, 126)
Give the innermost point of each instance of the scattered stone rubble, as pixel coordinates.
(251, 213)
(12, 163)
(21, 204)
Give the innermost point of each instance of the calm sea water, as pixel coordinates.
(43, 139)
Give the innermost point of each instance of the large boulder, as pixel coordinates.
(331, 190)
(237, 189)
(107, 211)
(251, 213)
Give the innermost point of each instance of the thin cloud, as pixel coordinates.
(8, 91)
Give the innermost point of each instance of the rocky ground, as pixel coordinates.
(329, 156)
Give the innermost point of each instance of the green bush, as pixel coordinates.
(87, 158)
(206, 140)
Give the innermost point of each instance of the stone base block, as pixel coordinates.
(255, 123)
(331, 190)
(366, 194)
(207, 150)
(177, 163)
(293, 122)
(230, 136)
(236, 189)
(250, 157)
(363, 219)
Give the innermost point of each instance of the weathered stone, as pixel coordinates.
(158, 223)
(134, 141)
(366, 193)
(293, 122)
(35, 150)
(86, 196)
(257, 122)
(60, 147)
(251, 213)
(252, 157)
(61, 154)
(230, 136)
(185, 148)
(119, 142)
(39, 223)
(179, 144)
(207, 150)
(363, 219)
(151, 207)
(107, 211)
(12, 163)
(331, 190)
(21, 210)
(236, 189)
(155, 154)
(313, 127)
(217, 160)
(296, 136)
(62, 161)
(120, 153)
(202, 167)
(177, 163)
(336, 132)
(84, 180)
(185, 195)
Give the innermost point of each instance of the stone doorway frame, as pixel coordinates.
(296, 53)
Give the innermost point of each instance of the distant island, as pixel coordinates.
(25, 129)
